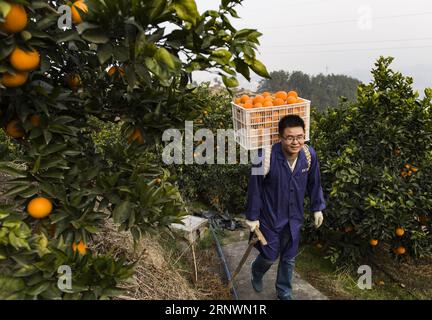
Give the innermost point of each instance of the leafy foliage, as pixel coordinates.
(153, 46)
(375, 159)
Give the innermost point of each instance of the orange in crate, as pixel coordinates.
(256, 121)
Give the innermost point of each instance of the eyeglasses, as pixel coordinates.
(290, 139)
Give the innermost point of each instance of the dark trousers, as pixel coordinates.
(285, 268)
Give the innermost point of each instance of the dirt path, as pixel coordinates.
(233, 252)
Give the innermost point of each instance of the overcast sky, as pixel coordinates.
(339, 36)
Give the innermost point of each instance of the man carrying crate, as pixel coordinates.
(275, 202)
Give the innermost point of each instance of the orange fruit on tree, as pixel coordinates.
(119, 71)
(278, 102)
(281, 95)
(291, 100)
(136, 136)
(14, 129)
(16, 19)
(23, 60)
(244, 98)
(349, 229)
(76, 9)
(400, 250)
(258, 99)
(400, 232)
(414, 169)
(10, 80)
(35, 120)
(80, 247)
(39, 207)
(73, 81)
(292, 94)
(373, 242)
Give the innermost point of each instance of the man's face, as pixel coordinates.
(292, 140)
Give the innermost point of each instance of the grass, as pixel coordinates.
(342, 283)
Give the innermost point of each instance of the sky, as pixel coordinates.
(338, 36)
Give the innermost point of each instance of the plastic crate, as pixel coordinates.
(256, 127)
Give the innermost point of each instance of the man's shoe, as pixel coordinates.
(257, 284)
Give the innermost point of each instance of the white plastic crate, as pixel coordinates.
(257, 127)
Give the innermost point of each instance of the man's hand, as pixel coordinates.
(318, 219)
(252, 225)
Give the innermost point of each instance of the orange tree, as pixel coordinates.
(376, 169)
(125, 62)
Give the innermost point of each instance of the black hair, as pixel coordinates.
(290, 121)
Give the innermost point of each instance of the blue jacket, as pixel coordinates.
(278, 199)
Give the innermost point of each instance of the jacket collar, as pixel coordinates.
(280, 156)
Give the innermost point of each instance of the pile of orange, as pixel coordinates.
(267, 99)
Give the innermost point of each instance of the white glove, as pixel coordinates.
(252, 225)
(318, 219)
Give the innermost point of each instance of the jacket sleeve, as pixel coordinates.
(254, 193)
(314, 188)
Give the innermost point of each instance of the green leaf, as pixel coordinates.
(259, 68)
(37, 164)
(68, 35)
(64, 119)
(62, 129)
(38, 289)
(221, 56)
(186, 10)
(18, 243)
(230, 82)
(105, 52)
(52, 148)
(29, 192)
(6, 50)
(4, 8)
(95, 36)
(121, 212)
(242, 68)
(249, 34)
(47, 136)
(157, 9)
(9, 285)
(164, 57)
(15, 190)
(16, 173)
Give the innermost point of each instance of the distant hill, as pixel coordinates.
(322, 90)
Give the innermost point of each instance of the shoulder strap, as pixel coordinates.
(308, 155)
(267, 155)
(267, 158)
